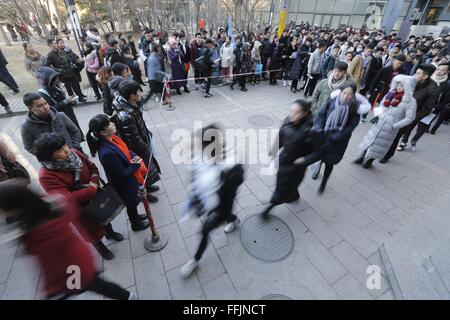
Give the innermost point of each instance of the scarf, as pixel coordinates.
(338, 118)
(334, 85)
(439, 80)
(393, 99)
(73, 163)
(33, 57)
(140, 174)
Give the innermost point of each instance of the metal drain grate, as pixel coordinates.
(260, 121)
(269, 241)
(276, 297)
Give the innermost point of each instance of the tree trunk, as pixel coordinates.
(5, 38)
(238, 13)
(58, 14)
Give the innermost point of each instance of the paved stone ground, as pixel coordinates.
(403, 204)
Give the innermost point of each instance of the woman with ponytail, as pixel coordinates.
(125, 170)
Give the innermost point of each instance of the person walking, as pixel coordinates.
(440, 76)
(5, 76)
(47, 233)
(123, 168)
(426, 95)
(42, 118)
(294, 142)
(399, 110)
(213, 190)
(178, 69)
(314, 68)
(330, 62)
(32, 59)
(334, 126)
(69, 172)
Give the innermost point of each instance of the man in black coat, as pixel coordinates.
(265, 54)
(382, 81)
(5, 76)
(60, 61)
(113, 54)
(426, 94)
(132, 129)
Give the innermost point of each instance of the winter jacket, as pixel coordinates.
(336, 142)
(381, 83)
(60, 61)
(92, 62)
(323, 91)
(113, 56)
(382, 134)
(3, 61)
(154, 69)
(63, 182)
(57, 245)
(59, 123)
(256, 53)
(375, 65)
(113, 85)
(426, 95)
(300, 62)
(226, 53)
(315, 62)
(120, 173)
(131, 127)
(54, 95)
(328, 65)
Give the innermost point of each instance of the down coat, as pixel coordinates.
(381, 136)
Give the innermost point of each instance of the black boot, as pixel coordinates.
(111, 234)
(139, 225)
(360, 160)
(186, 89)
(151, 198)
(179, 91)
(104, 251)
(384, 160)
(368, 163)
(153, 188)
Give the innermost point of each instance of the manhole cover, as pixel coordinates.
(276, 297)
(260, 121)
(269, 241)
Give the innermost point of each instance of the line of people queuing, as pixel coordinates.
(315, 133)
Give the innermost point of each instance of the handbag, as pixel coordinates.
(106, 205)
(16, 170)
(258, 69)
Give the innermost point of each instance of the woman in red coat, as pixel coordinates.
(60, 166)
(47, 233)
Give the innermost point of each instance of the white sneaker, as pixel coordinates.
(156, 99)
(132, 296)
(290, 83)
(189, 267)
(284, 83)
(230, 227)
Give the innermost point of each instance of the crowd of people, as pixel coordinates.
(346, 73)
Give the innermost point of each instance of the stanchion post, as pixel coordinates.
(155, 242)
(170, 107)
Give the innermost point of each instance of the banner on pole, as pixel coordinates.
(74, 18)
(230, 26)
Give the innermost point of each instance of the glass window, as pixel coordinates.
(305, 18)
(344, 6)
(357, 21)
(307, 5)
(325, 6)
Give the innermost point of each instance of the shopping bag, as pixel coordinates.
(258, 69)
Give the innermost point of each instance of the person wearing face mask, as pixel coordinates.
(426, 94)
(399, 110)
(333, 127)
(294, 141)
(360, 63)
